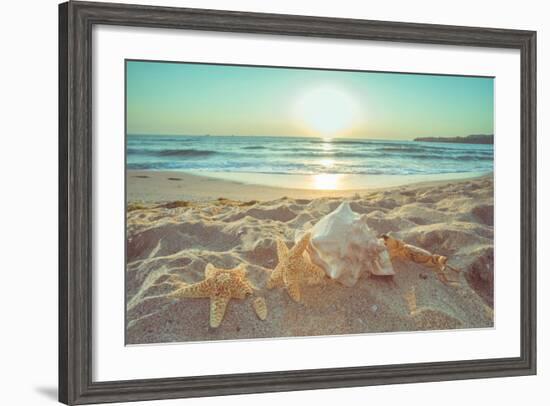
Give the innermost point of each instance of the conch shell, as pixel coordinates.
(344, 246)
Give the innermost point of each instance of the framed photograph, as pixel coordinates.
(259, 202)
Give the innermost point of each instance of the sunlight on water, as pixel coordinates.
(326, 181)
(327, 163)
(326, 145)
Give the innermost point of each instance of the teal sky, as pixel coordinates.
(195, 99)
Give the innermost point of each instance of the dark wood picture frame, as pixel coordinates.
(76, 20)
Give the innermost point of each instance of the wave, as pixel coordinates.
(293, 156)
(316, 154)
(424, 148)
(450, 157)
(188, 153)
(405, 149)
(185, 153)
(309, 170)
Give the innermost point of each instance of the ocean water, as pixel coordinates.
(304, 156)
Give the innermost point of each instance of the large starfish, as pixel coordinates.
(220, 285)
(293, 268)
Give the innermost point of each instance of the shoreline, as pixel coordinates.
(162, 186)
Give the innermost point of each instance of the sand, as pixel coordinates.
(177, 223)
(166, 186)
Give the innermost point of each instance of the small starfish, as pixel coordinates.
(293, 268)
(220, 285)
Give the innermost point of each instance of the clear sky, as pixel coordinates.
(195, 99)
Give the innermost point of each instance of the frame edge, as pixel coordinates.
(75, 259)
(64, 381)
(529, 201)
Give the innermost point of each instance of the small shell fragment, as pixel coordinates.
(260, 307)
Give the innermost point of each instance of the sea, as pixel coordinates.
(304, 155)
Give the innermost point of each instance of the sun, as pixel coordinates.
(326, 110)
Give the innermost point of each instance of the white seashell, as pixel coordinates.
(344, 246)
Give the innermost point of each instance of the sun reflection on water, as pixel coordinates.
(327, 144)
(327, 162)
(326, 181)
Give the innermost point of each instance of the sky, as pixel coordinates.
(197, 99)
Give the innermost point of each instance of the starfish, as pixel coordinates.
(220, 285)
(293, 268)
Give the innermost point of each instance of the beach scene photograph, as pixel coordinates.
(268, 202)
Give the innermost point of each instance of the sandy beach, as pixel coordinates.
(167, 186)
(177, 223)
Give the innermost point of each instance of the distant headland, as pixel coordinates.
(470, 139)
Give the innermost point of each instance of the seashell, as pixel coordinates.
(344, 246)
(260, 307)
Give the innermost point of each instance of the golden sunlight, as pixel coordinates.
(326, 110)
(326, 181)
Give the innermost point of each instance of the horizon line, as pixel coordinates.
(132, 134)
